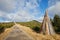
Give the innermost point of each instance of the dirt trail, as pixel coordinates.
(16, 32)
(38, 36)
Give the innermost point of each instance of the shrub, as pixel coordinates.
(2, 29)
(36, 29)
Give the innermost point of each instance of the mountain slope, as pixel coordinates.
(31, 24)
(36, 36)
(35, 25)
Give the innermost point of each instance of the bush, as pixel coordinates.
(56, 23)
(2, 29)
(5, 25)
(36, 29)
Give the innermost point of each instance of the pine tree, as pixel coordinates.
(57, 22)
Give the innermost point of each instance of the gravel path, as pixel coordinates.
(18, 34)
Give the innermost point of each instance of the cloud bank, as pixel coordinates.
(54, 7)
(19, 10)
(26, 10)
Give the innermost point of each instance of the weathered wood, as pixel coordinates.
(46, 25)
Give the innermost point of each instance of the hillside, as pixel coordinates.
(34, 35)
(34, 25)
(31, 24)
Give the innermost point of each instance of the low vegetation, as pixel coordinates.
(3, 26)
(56, 23)
(35, 25)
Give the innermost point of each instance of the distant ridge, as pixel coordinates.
(32, 23)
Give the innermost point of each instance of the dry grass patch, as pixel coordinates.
(36, 36)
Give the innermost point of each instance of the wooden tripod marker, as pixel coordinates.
(46, 27)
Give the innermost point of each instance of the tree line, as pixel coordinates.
(56, 23)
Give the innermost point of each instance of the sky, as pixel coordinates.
(27, 10)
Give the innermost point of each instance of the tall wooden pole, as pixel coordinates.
(46, 27)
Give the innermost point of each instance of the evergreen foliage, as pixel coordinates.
(56, 23)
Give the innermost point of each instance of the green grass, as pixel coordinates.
(3, 26)
(6, 25)
(35, 25)
(30, 24)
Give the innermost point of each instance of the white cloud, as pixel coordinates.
(23, 16)
(7, 5)
(40, 19)
(54, 9)
(25, 10)
(19, 10)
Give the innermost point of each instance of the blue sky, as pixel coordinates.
(44, 5)
(27, 10)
